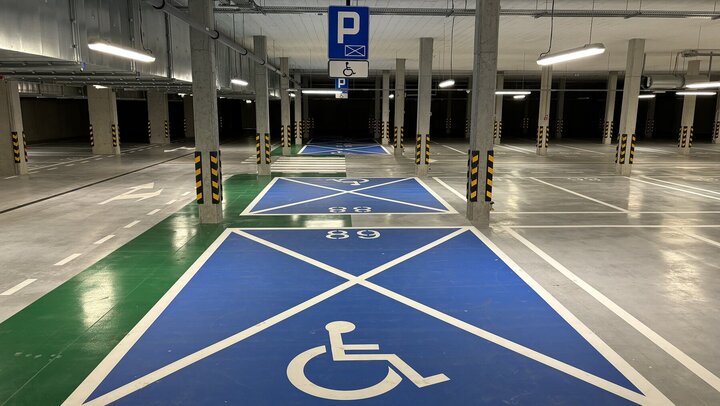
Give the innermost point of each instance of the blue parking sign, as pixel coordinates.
(348, 33)
(341, 84)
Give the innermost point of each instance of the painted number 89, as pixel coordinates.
(361, 234)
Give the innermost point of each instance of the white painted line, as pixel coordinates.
(10, 177)
(84, 162)
(453, 149)
(70, 165)
(673, 188)
(131, 225)
(17, 287)
(581, 195)
(104, 239)
(580, 149)
(451, 189)
(442, 201)
(682, 185)
(171, 201)
(186, 193)
(66, 260)
(97, 159)
(639, 326)
(620, 226)
(52, 169)
(516, 149)
(700, 238)
(153, 212)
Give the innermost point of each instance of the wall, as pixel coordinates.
(55, 119)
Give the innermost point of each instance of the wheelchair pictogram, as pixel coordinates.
(296, 368)
(348, 71)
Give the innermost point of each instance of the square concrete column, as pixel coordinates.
(609, 121)
(385, 126)
(543, 130)
(208, 166)
(158, 117)
(285, 130)
(716, 125)
(688, 113)
(560, 109)
(650, 119)
(298, 112)
(422, 146)
(188, 117)
(102, 109)
(481, 156)
(262, 108)
(399, 121)
(625, 153)
(13, 156)
(497, 127)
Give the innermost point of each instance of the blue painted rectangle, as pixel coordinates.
(251, 325)
(348, 32)
(343, 148)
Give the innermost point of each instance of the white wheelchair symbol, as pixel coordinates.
(351, 181)
(296, 368)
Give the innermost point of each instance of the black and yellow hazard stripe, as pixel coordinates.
(395, 137)
(185, 126)
(542, 137)
(716, 131)
(149, 130)
(622, 150)
(402, 135)
(427, 149)
(418, 150)
(215, 176)
(489, 175)
(258, 155)
(92, 136)
(499, 130)
(690, 136)
(472, 177)
(289, 135)
(267, 149)
(467, 128)
(608, 129)
(25, 150)
(167, 130)
(16, 146)
(114, 132)
(632, 149)
(198, 178)
(495, 130)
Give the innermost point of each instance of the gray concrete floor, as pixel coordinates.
(634, 258)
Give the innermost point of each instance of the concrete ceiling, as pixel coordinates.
(303, 37)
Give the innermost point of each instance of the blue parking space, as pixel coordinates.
(381, 316)
(343, 148)
(347, 196)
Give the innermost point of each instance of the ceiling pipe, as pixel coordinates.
(253, 8)
(216, 35)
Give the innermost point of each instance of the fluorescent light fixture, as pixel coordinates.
(239, 82)
(99, 87)
(695, 93)
(182, 94)
(571, 54)
(320, 91)
(122, 52)
(292, 89)
(512, 92)
(447, 83)
(646, 96)
(292, 94)
(519, 97)
(392, 96)
(703, 85)
(248, 101)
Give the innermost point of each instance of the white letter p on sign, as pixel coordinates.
(352, 30)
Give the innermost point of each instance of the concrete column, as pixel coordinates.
(560, 110)
(285, 106)
(385, 126)
(102, 110)
(497, 128)
(208, 183)
(610, 108)
(399, 106)
(377, 119)
(262, 108)
(480, 170)
(422, 147)
(688, 113)
(158, 117)
(448, 114)
(298, 112)
(650, 119)
(468, 109)
(716, 126)
(189, 123)
(628, 116)
(13, 157)
(543, 130)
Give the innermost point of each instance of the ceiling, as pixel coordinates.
(303, 37)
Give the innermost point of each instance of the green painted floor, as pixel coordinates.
(47, 349)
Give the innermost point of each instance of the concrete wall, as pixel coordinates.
(55, 119)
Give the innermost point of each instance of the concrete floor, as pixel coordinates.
(634, 258)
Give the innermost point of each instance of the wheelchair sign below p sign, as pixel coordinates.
(296, 368)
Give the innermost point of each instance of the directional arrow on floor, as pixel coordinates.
(180, 149)
(131, 195)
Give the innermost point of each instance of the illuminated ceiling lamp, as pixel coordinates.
(123, 52)
(519, 97)
(646, 96)
(695, 93)
(450, 82)
(239, 82)
(321, 91)
(589, 49)
(512, 92)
